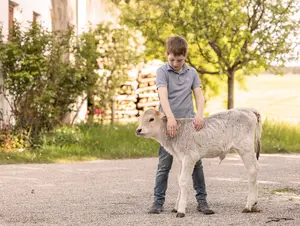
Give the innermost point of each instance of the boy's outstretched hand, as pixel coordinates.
(198, 122)
(172, 126)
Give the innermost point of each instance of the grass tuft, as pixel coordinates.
(284, 190)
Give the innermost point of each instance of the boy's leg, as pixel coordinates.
(165, 161)
(199, 186)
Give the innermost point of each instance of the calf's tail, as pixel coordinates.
(258, 132)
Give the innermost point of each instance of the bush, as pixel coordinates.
(41, 84)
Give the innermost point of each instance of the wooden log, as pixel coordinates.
(126, 108)
(126, 97)
(126, 103)
(141, 95)
(141, 90)
(146, 80)
(143, 100)
(142, 85)
(147, 75)
(148, 104)
(152, 83)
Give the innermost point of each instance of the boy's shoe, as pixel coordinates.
(204, 208)
(155, 209)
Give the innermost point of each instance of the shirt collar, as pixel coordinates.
(184, 69)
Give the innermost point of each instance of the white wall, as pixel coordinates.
(4, 15)
(24, 12)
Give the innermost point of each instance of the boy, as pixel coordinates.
(175, 83)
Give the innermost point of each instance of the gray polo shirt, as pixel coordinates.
(180, 87)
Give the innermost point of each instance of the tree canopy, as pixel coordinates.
(225, 37)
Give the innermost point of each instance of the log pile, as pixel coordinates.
(136, 95)
(147, 96)
(125, 103)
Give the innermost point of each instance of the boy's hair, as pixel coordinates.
(177, 45)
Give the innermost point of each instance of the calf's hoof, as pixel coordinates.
(254, 209)
(246, 210)
(251, 211)
(180, 215)
(174, 211)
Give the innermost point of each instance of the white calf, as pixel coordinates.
(238, 129)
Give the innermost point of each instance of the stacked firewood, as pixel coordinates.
(136, 95)
(147, 96)
(125, 103)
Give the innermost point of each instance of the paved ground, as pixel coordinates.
(119, 193)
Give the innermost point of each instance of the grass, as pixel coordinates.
(95, 141)
(280, 137)
(86, 142)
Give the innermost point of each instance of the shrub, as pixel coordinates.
(44, 72)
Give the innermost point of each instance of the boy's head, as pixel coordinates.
(177, 46)
(177, 52)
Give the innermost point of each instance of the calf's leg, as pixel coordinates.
(187, 167)
(252, 167)
(178, 195)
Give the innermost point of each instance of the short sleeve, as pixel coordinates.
(196, 82)
(161, 78)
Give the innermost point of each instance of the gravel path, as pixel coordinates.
(119, 192)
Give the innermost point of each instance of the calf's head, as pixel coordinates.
(149, 124)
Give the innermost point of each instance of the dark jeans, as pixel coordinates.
(165, 161)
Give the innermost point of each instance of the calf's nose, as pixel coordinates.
(138, 131)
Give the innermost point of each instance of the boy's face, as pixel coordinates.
(176, 62)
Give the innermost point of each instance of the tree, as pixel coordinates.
(225, 36)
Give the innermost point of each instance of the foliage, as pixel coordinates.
(40, 82)
(118, 49)
(224, 36)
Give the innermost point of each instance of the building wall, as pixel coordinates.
(24, 12)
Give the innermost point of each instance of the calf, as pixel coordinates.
(238, 129)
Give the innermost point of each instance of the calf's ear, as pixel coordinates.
(161, 115)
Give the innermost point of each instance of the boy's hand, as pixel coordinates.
(198, 122)
(172, 126)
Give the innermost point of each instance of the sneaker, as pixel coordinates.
(155, 209)
(204, 208)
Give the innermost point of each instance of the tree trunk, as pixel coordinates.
(113, 111)
(230, 86)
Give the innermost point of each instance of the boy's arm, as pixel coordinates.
(163, 97)
(199, 98)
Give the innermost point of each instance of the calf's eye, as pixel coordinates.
(151, 119)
